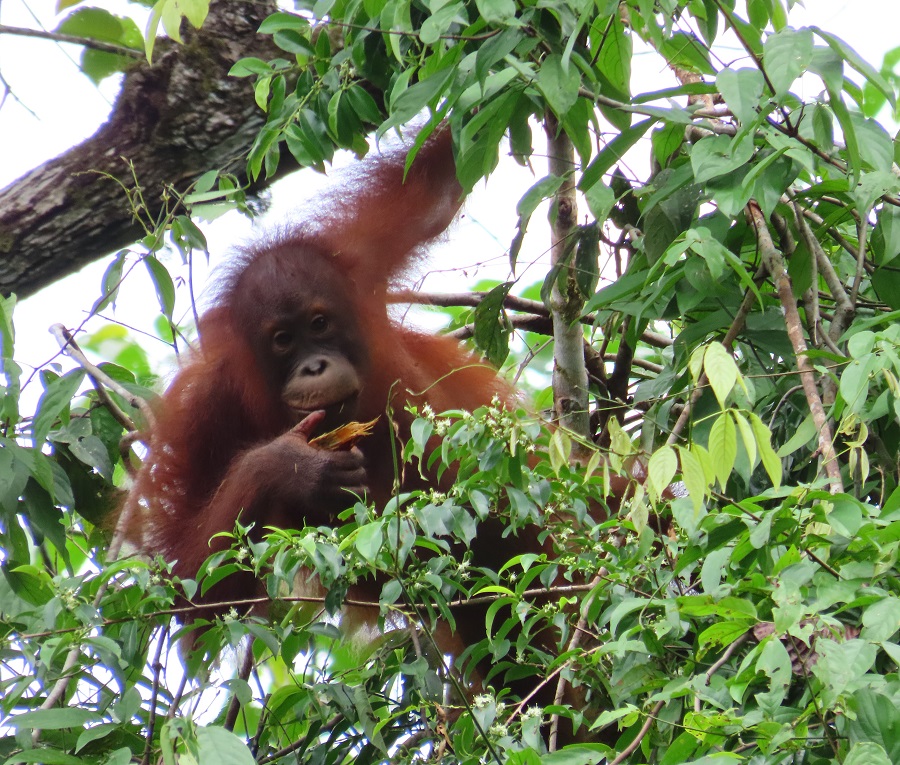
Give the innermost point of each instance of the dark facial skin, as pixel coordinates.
(305, 340)
(308, 349)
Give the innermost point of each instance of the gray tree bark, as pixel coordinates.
(171, 122)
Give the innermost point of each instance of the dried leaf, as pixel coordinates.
(344, 437)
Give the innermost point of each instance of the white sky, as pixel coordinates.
(60, 107)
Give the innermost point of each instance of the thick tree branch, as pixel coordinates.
(171, 123)
(774, 263)
(570, 383)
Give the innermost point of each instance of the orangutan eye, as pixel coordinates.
(282, 340)
(319, 323)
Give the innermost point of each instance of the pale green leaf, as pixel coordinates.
(560, 449)
(694, 477)
(661, 470)
(723, 446)
(859, 64)
(746, 436)
(218, 746)
(721, 371)
(767, 455)
(369, 540)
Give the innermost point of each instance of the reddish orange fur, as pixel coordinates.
(221, 433)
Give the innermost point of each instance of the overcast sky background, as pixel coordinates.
(58, 107)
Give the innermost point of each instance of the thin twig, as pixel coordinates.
(645, 728)
(845, 308)
(513, 302)
(157, 668)
(861, 229)
(723, 659)
(87, 42)
(62, 684)
(235, 706)
(574, 642)
(100, 379)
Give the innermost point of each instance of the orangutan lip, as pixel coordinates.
(332, 410)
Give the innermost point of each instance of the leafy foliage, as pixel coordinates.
(747, 348)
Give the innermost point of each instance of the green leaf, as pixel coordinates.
(29, 583)
(408, 102)
(53, 719)
(876, 721)
(614, 56)
(886, 234)
(560, 450)
(98, 24)
(363, 104)
(559, 83)
(693, 476)
(492, 328)
(723, 447)
(747, 436)
(742, 90)
(95, 733)
(54, 400)
(881, 620)
(666, 141)
(661, 470)
(835, 99)
(496, 11)
(803, 435)
(543, 189)
(170, 13)
(723, 633)
(840, 667)
(294, 41)
(855, 379)
(823, 128)
(767, 455)
(867, 753)
(615, 150)
(775, 664)
(369, 539)
(717, 155)
(860, 65)
(439, 22)
(46, 756)
(687, 52)
(587, 255)
(713, 569)
(786, 55)
(218, 746)
(721, 370)
(249, 67)
(165, 287)
(280, 21)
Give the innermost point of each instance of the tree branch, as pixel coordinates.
(171, 123)
(87, 42)
(774, 264)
